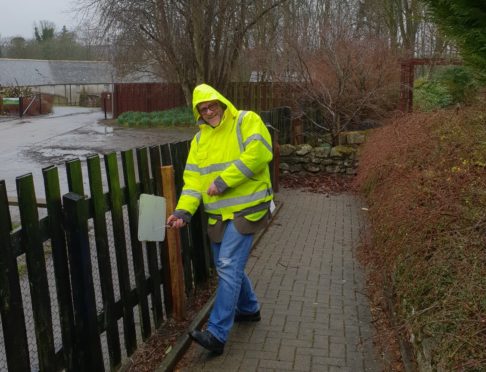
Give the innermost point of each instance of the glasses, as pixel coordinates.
(211, 107)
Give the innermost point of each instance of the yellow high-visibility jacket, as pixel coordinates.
(235, 154)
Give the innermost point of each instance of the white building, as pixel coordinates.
(63, 79)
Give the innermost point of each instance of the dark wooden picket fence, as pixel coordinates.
(94, 291)
(84, 255)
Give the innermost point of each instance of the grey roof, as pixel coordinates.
(30, 72)
(78, 72)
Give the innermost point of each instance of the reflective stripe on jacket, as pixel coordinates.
(237, 151)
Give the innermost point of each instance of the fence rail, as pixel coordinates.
(78, 290)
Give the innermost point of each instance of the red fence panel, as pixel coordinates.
(149, 97)
(146, 97)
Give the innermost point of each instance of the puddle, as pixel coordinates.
(65, 154)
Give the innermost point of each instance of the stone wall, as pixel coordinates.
(341, 159)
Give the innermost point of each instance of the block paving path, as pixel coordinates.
(315, 315)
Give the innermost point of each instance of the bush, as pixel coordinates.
(460, 84)
(425, 181)
(15, 91)
(450, 86)
(430, 95)
(178, 116)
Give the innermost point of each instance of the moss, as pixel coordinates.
(343, 150)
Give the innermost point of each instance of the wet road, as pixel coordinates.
(30, 144)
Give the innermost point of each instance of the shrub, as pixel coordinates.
(177, 116)
(430, 95)
(460, 84)
(425, 181)
(446, 87)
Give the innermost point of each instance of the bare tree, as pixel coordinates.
(186, 41)
(347, 79)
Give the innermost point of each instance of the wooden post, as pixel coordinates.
(276, 165)
(297, 132)
(87, 350)
(411, 78)
(21, 106)
(174, 247)
(11, 306)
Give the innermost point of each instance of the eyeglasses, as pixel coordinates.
(211, 107)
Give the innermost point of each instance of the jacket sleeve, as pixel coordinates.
(191, 192)
(257, 152)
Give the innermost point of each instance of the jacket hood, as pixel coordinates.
(204, 93)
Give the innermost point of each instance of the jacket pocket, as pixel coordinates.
(216, 231)
(245, 226)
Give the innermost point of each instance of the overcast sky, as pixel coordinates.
(17, 17)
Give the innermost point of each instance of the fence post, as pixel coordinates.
(87, 347)
(11, 306)
(21, 106)
(174, 246)
(275, 169)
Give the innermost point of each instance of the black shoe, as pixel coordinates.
(251, 317)
(207, 341)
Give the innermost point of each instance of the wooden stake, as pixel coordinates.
(174, 246)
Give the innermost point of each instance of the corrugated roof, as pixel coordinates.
(79, 72)
(25, 72)
(30, 72)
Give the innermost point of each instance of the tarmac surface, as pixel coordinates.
(315, 314)
(32, 143)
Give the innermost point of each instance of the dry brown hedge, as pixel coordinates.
(424, 178)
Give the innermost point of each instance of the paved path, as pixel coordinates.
(315, 316)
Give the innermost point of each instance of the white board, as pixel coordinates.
(151, 218)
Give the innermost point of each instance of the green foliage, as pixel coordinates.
(429, 95)
(15, 91)
(46, 31)
(47, 43)
(460, 84)
(176, 116)
(450, 86)
(465, 22)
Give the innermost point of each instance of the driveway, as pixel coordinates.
(32, 143)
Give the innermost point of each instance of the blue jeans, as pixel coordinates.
(234, 292)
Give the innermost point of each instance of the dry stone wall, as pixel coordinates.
(306, 159)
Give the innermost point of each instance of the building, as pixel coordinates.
(65, 80)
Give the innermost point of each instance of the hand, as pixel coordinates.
(213, 190)
(175, 222)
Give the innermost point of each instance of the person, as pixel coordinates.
(227, 169)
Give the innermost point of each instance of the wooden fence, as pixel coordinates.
(149, 97)
(35, 104)
(146, 97)
(94, 291)
(263, 96)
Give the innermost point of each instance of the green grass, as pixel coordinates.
(180, 116)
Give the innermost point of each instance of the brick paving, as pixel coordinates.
(315, 316)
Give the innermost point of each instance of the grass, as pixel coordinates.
(424, 178)
(180, 116)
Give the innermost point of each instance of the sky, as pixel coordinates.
(17, 17)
